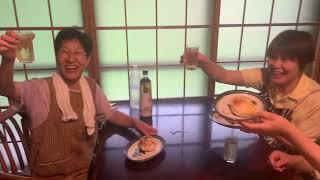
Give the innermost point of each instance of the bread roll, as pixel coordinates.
(242, 106)
(147, 144)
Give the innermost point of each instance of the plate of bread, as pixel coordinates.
(216, 117)
(144, 148)
(238, 105)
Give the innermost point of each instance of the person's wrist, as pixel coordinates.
(204, 62)
(7, 60)
(287, 131)
(134, 122)
(302, 165)
(203, 58)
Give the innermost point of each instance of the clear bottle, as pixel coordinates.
(145, 96)
(134, 85)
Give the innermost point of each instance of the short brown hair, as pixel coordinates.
(293, 44)
(71, 33)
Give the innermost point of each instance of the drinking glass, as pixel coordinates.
(25, 52)
(191, 57)
(230, 149)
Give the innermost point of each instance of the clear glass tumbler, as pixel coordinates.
(25, 52)
(230, 149)
(191, 57)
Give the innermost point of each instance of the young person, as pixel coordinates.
(283, 83)
(288, 91)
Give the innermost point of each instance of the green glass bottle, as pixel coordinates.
(145, 96)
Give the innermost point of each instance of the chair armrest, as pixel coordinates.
(15, 177)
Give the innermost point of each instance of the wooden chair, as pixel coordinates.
(13, 143)
(7, 176)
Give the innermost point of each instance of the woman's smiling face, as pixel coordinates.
(284, 72)
(72, 60)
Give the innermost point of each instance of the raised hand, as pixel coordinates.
(8, 45)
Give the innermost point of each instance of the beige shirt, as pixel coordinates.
(304, 100)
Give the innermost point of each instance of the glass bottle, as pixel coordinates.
(145, 96)
(134, 84)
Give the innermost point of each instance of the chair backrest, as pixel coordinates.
(13, 144)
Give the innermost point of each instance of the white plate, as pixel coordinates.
(224, 100)
(133, 152)
(216, 117)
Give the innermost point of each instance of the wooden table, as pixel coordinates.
(194, 147)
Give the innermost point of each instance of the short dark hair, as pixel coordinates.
(71, 33)
(293, 44)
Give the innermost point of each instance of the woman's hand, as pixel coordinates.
(145, 128)
(8, 45)
(202, 60)
(268, 123)
(281, 161)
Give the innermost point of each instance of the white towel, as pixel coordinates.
(63, 100)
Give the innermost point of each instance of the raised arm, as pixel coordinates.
(216, 72)
(8, 46)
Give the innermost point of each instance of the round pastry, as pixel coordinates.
(147, 144)
(243, 107)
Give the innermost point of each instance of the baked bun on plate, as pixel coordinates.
(147, 144)
(242, 106)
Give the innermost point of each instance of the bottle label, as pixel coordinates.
(145, 100)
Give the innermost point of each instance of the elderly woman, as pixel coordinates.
(62, 108)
